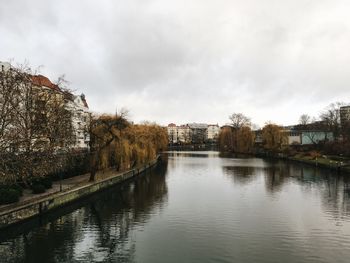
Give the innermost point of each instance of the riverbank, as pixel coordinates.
(193, 147)
(327, 162)
(62, 193)
(335, 163)
(341, 166)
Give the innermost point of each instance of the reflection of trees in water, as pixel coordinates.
(35, 246)
(194, 154)
(98, 231)
(334, 189)
(335, 195)
(116, 216)
(276, 175)
(241, 174)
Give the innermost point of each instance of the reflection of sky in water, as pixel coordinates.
(199, 207)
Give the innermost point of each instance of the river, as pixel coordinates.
(198, 207)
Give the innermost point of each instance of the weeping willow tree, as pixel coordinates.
(115, 142)
(105, 131)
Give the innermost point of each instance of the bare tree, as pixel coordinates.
(34, 125)
(304, 119)
(239, 120)
(331, 118)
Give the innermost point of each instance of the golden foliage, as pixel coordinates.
(226, 139)
(274, 139)
(245, 140)
(238, 140)
(315, 154)
(122, 145)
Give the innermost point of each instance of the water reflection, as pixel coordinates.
(200, 207)
(193, 154)
(334, 189)
(99, 230)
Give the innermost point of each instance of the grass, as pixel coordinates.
(321, 161)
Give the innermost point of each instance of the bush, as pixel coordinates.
(47, 182)
(38, 188)
(8, 196)
(17, 188)
(315, 154)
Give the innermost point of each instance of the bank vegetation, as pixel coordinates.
(37, 137)
(321, 141)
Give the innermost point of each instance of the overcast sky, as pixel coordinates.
(188, 60)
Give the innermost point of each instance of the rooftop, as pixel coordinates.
(40, 80)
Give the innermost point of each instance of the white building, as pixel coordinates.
(179, 134)
(172, 133)
(4, 66)
(80, 118)
(213, 132)
(192, 133)
(75, 103)
(184, 133)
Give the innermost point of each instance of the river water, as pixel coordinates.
(198, 207)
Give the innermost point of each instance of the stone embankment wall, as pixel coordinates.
(41, 206)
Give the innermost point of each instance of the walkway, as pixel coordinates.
(67, 184)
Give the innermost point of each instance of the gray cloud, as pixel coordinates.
(183, 61)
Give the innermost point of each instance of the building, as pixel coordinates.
(344, 116)
(78, 107)
(308, 137)
(213, 131)
(315, 137)
(192, 133)
(184, 133)
(198, 132)
(80, 118)
(172, 133)
(76, 104)
(294, 137)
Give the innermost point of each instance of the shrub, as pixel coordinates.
(17, 188)
(315, 154)
(38, 188)
(8, 196)
(47, 182)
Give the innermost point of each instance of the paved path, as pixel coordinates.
(67, 184)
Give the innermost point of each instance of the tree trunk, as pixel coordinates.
(93, 166)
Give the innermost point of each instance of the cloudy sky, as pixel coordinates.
(188, 60)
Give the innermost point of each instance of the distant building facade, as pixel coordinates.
(184, 133)
(213, 132)
(198, 132)
(308, 137)
(345, 116)
(192, 133)
(80, 118)
(172, 133)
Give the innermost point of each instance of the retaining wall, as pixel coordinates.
(38, 207)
